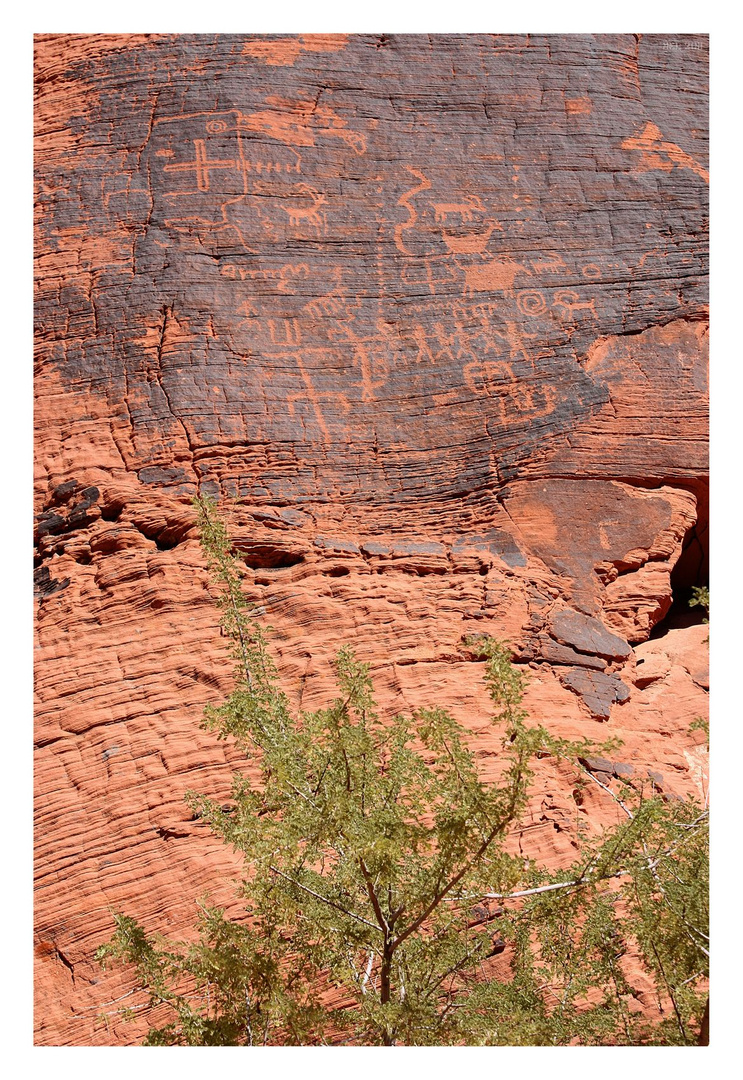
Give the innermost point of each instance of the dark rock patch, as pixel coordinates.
(587, 635)
(598, 691)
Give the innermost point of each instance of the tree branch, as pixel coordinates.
(324, 899)
(383, 924)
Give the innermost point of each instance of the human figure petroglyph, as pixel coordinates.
(424, 350)
(309, 395)
(366, 365)
(514, 336)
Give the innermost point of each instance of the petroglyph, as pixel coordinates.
(569, 302)
(591, 272)
(604, 539)
(482, 376)
(404, 200)
(290, 274)
(419, 353)
(366, 366)
(300, 122)
(424, 354)
(202, 166)
(307, 214)
(215, 147)
(656, 253)
(578, 106)
(285, 332)
(656, 153)
(531, 302)
(554, 265)
(308, 395)
(496, 276)
(514, 337)
(464, 209)
(470, 243)
(284, 51)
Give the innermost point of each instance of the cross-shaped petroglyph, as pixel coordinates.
(202, 166)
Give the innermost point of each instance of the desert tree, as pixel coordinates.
(378, 887)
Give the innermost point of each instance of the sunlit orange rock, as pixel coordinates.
(428, 316)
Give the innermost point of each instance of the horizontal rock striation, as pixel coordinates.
(428, 316)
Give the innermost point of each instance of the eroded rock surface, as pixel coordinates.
(433, 311)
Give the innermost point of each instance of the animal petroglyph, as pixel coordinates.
(570, 302)
(300, 122)
(496, 276)
(656, 153)
(464, 209)
(554, 265)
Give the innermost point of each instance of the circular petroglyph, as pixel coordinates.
(531, 302)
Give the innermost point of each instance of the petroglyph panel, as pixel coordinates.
(346, 260)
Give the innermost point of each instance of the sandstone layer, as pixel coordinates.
(428, 315)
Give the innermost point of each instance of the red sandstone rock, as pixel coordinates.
(434, 311)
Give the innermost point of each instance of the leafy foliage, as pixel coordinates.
(366, 845)
(700, 598)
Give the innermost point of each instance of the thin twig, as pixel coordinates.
(324, 899)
